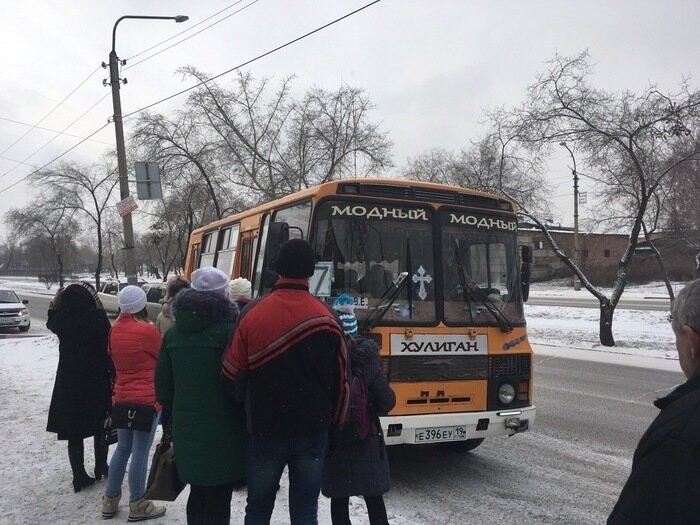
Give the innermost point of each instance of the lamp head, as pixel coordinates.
(562, 144)
(181, 18)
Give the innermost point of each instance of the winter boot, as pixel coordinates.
(109, 506)
(76, 456)
(101, 450)
(144, 509)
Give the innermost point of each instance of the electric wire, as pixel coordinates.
(53, 138)
(50, 112)
(3, 190)
(278, 48)
(190, 28)
(97, 69)
(263, 55)
(41, 128)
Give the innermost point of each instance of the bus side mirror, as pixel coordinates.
(277, 235)
(525, 267)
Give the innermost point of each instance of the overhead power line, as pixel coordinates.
(34, 126)
(263, 55)
(278, 48)
(52, 110)
(54, 138)
(185, 31)
(3, 190)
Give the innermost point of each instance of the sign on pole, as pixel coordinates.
(582, 197)
(148, 180)
(126, 206)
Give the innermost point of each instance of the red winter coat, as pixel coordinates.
(288, 362)
(134, 347)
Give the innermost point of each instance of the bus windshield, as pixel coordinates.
(369, 245)
(479, 269)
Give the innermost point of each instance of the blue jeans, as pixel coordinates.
(136, 444)
(267, 457)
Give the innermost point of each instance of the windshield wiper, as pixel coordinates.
(469, 286)
(391, 293)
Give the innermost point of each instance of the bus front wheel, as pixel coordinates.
(464, 446)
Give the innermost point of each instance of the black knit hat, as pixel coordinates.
(296, 259)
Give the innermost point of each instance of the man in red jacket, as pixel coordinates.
(288, 363)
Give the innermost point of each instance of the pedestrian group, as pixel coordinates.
(246, 388)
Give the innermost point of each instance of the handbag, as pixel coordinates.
(133, 417)
(109, 432)
(163, 484)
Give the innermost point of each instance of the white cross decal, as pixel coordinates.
(421, 277)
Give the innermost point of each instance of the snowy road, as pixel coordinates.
(568, 469)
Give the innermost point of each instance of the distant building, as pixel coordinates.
(601, 254)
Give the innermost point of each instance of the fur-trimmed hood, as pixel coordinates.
(194, 310)
(363, 350)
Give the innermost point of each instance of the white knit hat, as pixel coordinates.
(132, 299)
(210, 279)
(239, 287)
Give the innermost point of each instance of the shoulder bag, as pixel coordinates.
(133, 417)
(163, 483)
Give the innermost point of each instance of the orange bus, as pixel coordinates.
(437, 280)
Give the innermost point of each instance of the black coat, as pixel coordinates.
(362, 469)
(664, 485)
(83, 385)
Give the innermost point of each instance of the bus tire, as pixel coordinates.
(464, 446)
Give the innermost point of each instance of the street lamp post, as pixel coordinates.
(114, 81)
(577, 251)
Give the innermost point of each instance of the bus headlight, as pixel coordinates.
(506, 393)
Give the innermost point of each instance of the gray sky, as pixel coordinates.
(430, 67)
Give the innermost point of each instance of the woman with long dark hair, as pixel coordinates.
(82, 388)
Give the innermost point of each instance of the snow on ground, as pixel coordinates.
(37, 481)
(642, 337)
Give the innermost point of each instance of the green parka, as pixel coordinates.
(209, 432)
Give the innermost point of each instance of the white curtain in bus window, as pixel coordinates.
(226, 253)
(488, 265)
(479, 264)
(369, 245)
(208, 249)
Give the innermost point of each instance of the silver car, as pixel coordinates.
(13, 310)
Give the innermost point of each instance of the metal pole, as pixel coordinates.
(129, 255)
(129, 247)
(577, 251)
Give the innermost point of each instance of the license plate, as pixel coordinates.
(437, 434)
(7, 320)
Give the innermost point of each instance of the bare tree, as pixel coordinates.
(50, 226)
(183, 147)
(273, 145)
(628, 138)
(248, 124)
(680, 217)
(496, 164)
(86, 189)
(343, 143)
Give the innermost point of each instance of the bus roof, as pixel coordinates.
(439, 190)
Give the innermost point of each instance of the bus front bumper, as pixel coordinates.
(439, 428)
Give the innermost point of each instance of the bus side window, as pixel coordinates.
(195, 257)
(246, 256)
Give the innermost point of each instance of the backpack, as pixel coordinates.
(361, 422)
